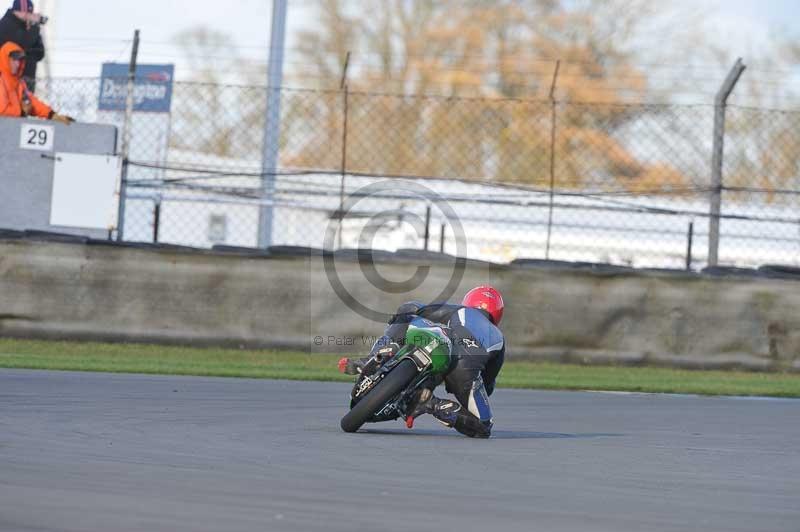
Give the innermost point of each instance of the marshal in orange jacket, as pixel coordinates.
(13, 88)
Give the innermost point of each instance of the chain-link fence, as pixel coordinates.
(620, 184)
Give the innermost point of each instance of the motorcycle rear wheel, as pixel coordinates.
(392, 384)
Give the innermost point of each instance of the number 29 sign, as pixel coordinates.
(36, 137)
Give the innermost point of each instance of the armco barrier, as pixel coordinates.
(151, 293)
(26, 174)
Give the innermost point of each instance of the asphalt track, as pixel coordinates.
(97, 452)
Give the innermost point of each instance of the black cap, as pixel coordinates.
(22, 5)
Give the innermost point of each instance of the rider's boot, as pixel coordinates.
(449, 413)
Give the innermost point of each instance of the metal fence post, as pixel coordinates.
(717, 159)
(156, 217)
(272, 123)
(343, 167)
(126, 138)
(427, 225)
(552, 159)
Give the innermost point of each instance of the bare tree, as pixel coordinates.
(220, 111)
(495, 53)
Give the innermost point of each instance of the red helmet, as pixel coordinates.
(486, 298)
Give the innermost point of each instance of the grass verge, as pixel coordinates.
(270, 364)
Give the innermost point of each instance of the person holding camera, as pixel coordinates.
(22, 26)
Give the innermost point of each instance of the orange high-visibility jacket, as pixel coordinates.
(13, 87)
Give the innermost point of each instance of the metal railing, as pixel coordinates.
(619, 183)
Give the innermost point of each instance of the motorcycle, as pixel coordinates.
(387, 394)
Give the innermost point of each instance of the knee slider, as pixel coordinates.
(479, 402)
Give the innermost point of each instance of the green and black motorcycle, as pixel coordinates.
(387, 393)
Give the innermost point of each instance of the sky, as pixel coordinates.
(84, 33)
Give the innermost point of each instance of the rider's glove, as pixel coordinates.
(64, 119)
(350, 366)
(388, 351)
(367, 366)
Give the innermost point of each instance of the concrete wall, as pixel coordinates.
(26, 177)
(123, 293)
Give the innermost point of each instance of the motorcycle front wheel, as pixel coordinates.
(391, 385)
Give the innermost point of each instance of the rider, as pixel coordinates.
(479, 347)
